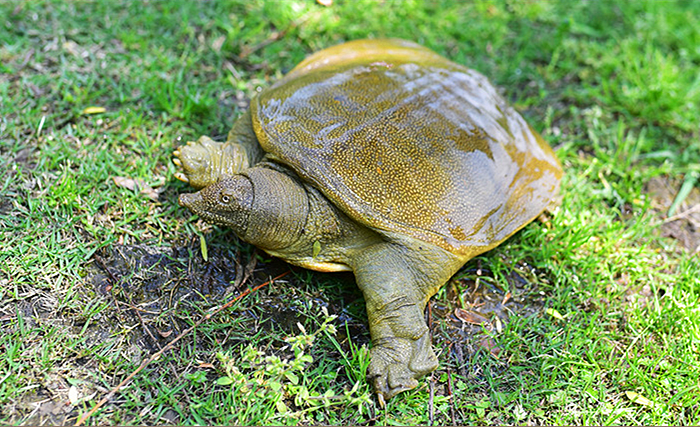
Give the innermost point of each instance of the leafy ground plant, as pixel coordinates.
(257, 377)
(589, 316)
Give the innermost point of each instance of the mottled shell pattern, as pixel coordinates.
(406, 141)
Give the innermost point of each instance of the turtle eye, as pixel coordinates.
(225, 199)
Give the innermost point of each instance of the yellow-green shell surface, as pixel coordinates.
(404, 140)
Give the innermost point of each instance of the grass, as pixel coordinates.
(96, 277)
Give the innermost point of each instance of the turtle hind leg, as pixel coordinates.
(397, 282)
(204, 162)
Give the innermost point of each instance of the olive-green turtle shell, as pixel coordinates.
(406, 141)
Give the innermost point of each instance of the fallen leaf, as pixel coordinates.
(552, 312)
(73, 395)
(94, 110)
(72, 47)
(203, 247)
(216, 44)
(164, 334)
(498, 324)
(123, 182)
(470, 316)
(638, 398)
(489, 344)
(136, 185)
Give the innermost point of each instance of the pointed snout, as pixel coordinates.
(190, 200)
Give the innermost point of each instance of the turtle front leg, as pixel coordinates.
(204, 162)
(397, 282)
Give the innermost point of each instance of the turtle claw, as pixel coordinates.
(181, 176)
(380, 399)
(395, 379)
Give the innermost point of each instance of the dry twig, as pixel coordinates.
(431, 407)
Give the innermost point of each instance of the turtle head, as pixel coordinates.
(227, 202)
(263, 206)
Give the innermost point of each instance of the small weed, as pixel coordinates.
(280, 387)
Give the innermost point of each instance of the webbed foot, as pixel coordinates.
(198, 162)
(397, 363)
(204, 162)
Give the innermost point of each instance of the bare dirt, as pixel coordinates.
(684, 224)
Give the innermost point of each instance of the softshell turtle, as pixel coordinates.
(383, 158)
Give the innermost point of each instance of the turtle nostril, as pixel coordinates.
(188, 200)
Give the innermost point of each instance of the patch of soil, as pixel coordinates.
(148, 273)
(6, 204)
(684, 225)
(44, 408)
(478, 308)
(147, 283)
(12, 173)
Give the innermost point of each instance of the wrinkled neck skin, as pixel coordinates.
(292, 220)
(279, 210)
